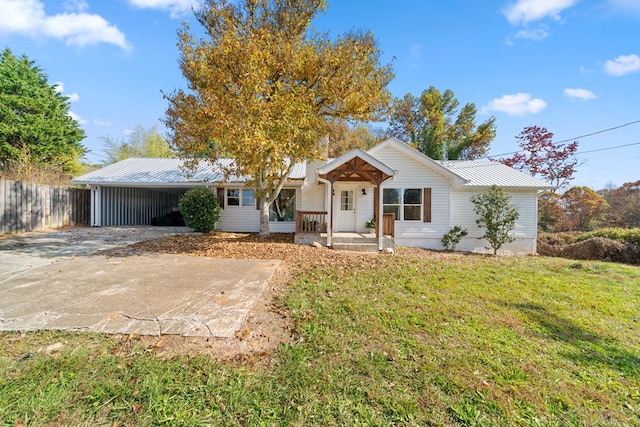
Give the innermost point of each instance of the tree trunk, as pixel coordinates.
(264, 219)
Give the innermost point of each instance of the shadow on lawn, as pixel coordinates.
(590, 348)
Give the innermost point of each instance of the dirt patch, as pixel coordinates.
(596, 249)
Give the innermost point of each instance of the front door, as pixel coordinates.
(345, 208)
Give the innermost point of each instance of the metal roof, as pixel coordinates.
(479, 173)
(149, 172)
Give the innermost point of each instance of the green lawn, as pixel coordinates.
(448, 340)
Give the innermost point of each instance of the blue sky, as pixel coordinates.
(572, 66)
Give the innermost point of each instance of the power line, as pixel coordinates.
(608, 148)
(473, 164)
(575, 138)
(598, 132)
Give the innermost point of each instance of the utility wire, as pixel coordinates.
(575, 138)
(472, 164)
(607, 148)
(598, 132)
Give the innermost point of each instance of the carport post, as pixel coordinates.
(96, 206)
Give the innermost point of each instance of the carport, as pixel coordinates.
(136, 191)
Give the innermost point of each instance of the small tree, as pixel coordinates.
(453, 237)
(497, 215)
(200, 209)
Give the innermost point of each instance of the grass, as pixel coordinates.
(449, 340)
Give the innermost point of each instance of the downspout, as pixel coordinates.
(329, 209)
(380, 223)
(534, 247)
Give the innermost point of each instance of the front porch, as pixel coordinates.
(362, 242)
(311, 227)
(352, 204)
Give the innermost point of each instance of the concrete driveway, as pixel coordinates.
(85, 279)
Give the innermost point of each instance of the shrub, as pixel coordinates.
(624, 235)
(200, 209)
(453, 237)
(497, 215)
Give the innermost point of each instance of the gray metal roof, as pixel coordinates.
(150, 172)
(479, 173)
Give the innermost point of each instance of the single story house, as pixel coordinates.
(419, 199)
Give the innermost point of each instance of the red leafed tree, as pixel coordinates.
(540, 157)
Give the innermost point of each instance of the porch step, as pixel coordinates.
(344, 238)
(359, 247)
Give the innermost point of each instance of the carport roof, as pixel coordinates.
(157, 172)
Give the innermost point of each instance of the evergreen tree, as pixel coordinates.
(35, 127)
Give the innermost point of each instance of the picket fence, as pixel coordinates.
(26, 206)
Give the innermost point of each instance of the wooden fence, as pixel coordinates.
(26, 206)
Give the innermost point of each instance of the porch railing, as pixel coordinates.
(388, 224)
(311, 222)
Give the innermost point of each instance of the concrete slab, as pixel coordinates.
(144, 293)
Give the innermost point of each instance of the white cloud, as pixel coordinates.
(77, 118)
(28, 17)
(623, 64)
(59, 88)
(518, 104)
(102, 123)
(524, 11)
(176, 8)
(73, 97)
(579, 93)
(76, 5)
(536, 34)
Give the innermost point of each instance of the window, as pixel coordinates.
(240, 197)
(346, 200)
(412, 204)
(248, 197)
(284, 206)
(233, 197)
(391, 201)
(406, 203)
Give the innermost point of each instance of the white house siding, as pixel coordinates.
(239, 219)
(312, 195)
(462, 214)
(412, 174)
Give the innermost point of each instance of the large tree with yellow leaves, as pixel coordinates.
(263, 85)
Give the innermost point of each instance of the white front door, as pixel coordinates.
(344, 207)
